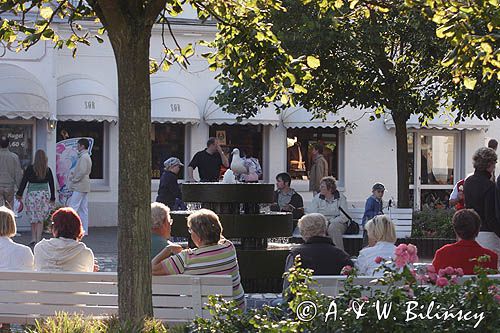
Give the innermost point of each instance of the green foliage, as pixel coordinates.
(356, 307)
(472, 30)
(433, 223)
(64, 322)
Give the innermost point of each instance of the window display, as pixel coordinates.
(167, 140)
(91, 129)
(247, 138)
(21, 141)
(300, 142)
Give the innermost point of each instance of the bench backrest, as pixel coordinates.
(26, 296)
(333, 285)
(402, 218)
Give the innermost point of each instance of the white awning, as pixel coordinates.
(441, 121)
(80, 97)
(214, 114)
(171, 102)
(21, 94)
(297, 117)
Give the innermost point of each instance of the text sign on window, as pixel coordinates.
(175, 107)
(89, 105)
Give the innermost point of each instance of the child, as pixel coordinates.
(373, 207)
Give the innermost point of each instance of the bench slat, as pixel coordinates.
(59, 276)
(22, 285)
(186, 290)
(50, 310)
(59, 298)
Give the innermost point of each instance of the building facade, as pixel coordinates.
(47, 96)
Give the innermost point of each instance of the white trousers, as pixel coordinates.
(490, 241)
(336, 230)
(78, 201)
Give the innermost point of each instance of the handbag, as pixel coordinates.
(352, 226)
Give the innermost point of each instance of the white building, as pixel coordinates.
(44, 85)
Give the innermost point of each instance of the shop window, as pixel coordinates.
(167, 140)
(90, 129)
(247, 138)
(300, 142)
(21, 141)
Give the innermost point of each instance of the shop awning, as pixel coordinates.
(21, 94)
(442, 121)
(171, 102)
(80, 97)
(297, 117)
(214, 114)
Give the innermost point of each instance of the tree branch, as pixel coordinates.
(154, 9)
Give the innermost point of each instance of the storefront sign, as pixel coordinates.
(89, 105)
(175, 107)
(66, 159)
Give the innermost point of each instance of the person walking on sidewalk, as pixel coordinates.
(40, 196)
(11, 173)
(80, 184)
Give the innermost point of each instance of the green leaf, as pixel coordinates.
(284, 99)
(469, 83)
(299, 89)
(46, 12)
(313, 62)
(494, 2)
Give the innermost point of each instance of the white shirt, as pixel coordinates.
(63, 254)
(14, 256)
(366, 264)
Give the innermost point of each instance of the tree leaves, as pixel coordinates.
(313, 62)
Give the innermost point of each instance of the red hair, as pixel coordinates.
(66, 223)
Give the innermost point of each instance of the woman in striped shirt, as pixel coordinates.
(214, 254)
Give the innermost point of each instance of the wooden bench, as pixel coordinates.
(402, 218)
(333, 285)
(27, 296)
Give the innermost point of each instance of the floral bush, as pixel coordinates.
(412, 301)
(433, 223)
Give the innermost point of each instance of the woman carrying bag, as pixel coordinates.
(40, 196)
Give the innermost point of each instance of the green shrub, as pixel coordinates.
(433, 223)
(66, 323)
(479, 295)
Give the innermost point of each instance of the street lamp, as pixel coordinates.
(51, 124)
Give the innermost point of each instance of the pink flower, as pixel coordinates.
(60, 148)
(378, 260)
(413, 258)
(346, 270)
(400, 262)
(401, 249)
(493, 289)
(422, 278)
(449, 270)
(411, 249)
(409, 291)
(441, 272)
(413, 273)
(364, 298)
(433, 277)
(454, 280)
(459, 271)
(442, 282)
(431, 269)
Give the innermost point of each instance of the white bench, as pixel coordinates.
(333, 285)
(402, 218)
(27, 296)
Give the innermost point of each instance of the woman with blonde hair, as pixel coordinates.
(213, 255)
(12, 255)
(40, 196)
(381, 238)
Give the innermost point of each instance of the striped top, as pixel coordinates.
(218, 259)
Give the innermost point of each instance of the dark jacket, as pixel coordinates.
(296, 201)
(169, 189)
(479, 194)
(320, 255)
(373, 207)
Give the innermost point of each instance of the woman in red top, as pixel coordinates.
(462, 254)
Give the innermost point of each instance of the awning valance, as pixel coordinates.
(441, 121)
(297, 117)
(21, 94)
(214, 114)
(80, 97)
(171, 102)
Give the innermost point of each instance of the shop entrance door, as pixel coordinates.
(433, 168)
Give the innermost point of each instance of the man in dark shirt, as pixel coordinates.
(208, 162)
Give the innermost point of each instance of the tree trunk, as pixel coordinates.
(400, 119)
(131, 48)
